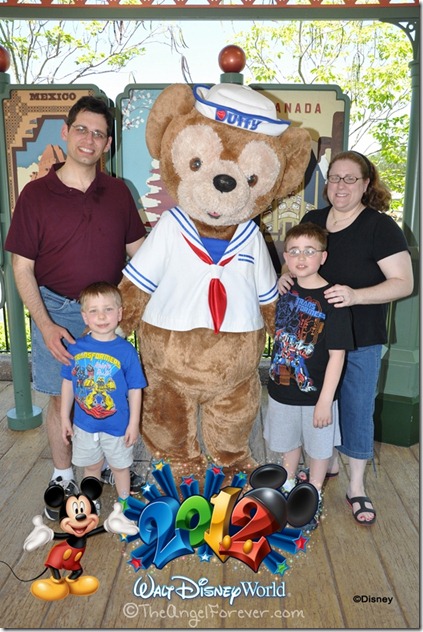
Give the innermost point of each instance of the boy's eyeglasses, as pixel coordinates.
(84, 131)
(307, 252)
(347, 179)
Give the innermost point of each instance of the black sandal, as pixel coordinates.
(303, 475)
(361, 500)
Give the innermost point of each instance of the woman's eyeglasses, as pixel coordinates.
(347, 179)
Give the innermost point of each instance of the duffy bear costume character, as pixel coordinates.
(202, 287)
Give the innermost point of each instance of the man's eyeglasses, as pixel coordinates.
(307, 252)
(347, 179)
(84, 131)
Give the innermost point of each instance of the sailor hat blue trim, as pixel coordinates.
(239, 106)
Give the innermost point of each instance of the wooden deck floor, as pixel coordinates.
(349, 577)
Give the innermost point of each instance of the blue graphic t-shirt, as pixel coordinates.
(102, 373)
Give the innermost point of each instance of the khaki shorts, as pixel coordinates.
(89, 448)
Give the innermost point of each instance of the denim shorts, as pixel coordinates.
(45, 368)
(357, 401)
(89, 448)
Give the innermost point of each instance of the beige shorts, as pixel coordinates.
(89, 448)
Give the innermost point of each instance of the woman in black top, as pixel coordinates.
(369, 264)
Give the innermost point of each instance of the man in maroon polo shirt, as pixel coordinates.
(70, 228)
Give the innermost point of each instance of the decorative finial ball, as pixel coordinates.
(4, 59)
(232, 59)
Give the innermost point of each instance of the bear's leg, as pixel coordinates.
(227, 421)
(169, 427)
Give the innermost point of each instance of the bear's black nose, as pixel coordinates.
(224, 183)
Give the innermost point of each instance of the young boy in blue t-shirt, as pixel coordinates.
(105, 381)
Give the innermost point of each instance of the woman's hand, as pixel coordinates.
(341, 295)
(398, 283)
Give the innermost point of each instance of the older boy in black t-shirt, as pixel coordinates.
(311, 337)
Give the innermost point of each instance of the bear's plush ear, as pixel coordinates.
(175, 100)
(296, 145)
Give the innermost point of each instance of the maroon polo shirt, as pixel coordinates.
(75, 238)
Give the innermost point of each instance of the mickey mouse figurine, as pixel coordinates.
(79, 520)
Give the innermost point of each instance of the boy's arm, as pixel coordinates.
(134, 401)
(323, 410)
(65, 410)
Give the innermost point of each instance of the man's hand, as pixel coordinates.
(53, 337)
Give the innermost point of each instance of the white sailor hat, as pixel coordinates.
(239, 106)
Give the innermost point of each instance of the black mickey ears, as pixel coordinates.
(91, 487)
(270, 475)
(54, 496)
(302, 504)
(297, 509)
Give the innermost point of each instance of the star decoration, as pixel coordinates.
(301, 542)
(188, 480)
(282, 568)
(135, 563)
(124, 503)
(159, 465)
(205, 557)
(146, 488)
(123, 537)
(216, 469)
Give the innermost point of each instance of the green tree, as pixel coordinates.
(368, 60)
(48, 51)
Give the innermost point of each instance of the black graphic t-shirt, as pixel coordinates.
(307, 327)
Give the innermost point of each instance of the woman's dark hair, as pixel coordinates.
(377, 194)
(96, 105)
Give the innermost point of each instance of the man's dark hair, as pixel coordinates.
(96, 105)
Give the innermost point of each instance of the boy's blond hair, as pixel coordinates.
(308, 229)
(100, 288)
